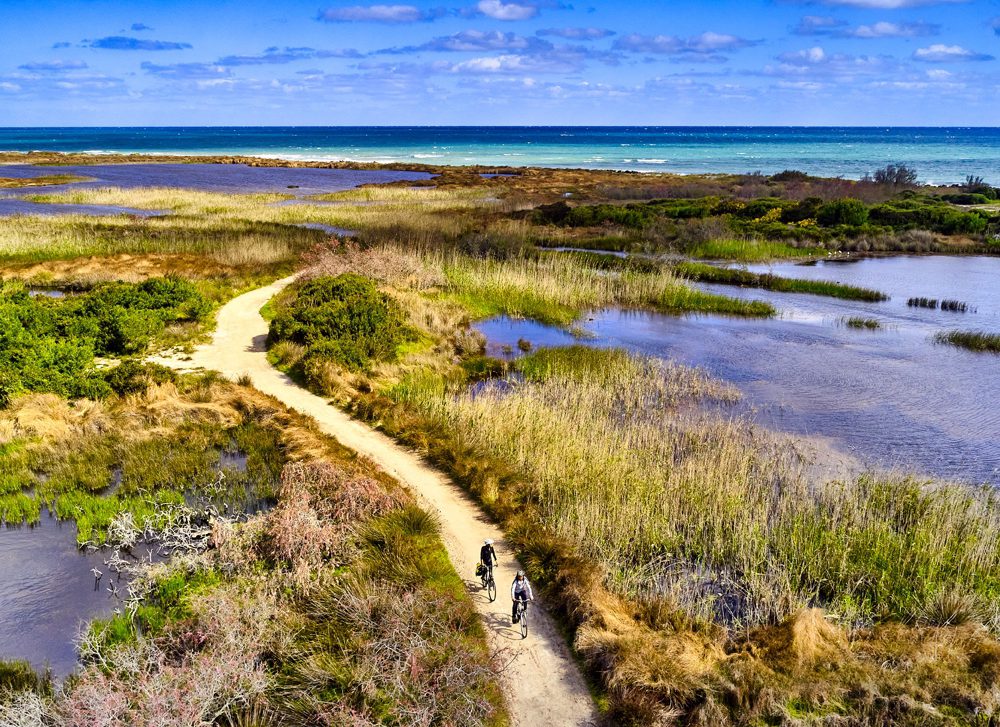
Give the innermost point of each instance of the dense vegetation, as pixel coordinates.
(49, 344)
(687, 554)
(687, 551)
(810, 219)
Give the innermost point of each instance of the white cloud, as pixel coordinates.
(492, 64)
(578, 33)
(939, 53)
(939, 74)
(706, 43)
(800, 85)
(889, 4)
(499, 10)
(374, 14)
(800, 57)
(891, 30)
(7, 86)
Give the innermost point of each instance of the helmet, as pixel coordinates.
(520, 574)
(488, 541)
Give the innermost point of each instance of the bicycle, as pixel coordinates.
(489, 584)
(522, 617)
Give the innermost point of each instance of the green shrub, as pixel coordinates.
(49, 344)
(344, 319)
(966, 198)
(925, 213)
(851, 212)
(135, 377)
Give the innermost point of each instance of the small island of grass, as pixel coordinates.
(980, 341)
(744, 278)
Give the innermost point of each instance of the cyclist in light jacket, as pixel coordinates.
(520, 590)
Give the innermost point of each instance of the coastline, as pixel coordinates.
(944, 155)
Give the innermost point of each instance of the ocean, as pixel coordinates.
(940, 155)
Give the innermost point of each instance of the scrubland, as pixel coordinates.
(701, 576)
(335, 604)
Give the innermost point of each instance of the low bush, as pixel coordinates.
(344, 319)
(851, 212)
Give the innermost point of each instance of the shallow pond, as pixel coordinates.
(328, 229)
(890, 398)
(49, 592)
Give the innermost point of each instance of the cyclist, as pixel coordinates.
(520, 590)
(488, 556)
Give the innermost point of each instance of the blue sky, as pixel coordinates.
(410, 62)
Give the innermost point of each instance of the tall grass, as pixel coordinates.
(45, 180)
(705, 510)
(424, 214)
(748, 250)
(236, 243)
(181, 201)
(745, 278)
(557, 289)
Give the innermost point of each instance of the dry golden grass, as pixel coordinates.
(234, 243)
(86, 272)
(688, 553)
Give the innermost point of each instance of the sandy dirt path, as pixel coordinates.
(544, 685)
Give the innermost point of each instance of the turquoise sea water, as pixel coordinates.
(940, 155)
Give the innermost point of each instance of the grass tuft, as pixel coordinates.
(868, 324)
(971, 340)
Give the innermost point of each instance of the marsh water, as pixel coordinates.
(49, 592)
(891, 398)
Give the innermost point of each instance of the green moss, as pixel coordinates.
(99, 477)
(17, 675)
(168, 601)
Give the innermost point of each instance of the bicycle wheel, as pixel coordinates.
(491, 590)
(524, 621)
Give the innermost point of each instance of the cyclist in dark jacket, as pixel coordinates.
(488, 556)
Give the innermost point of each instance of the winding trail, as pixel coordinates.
(543, 683)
